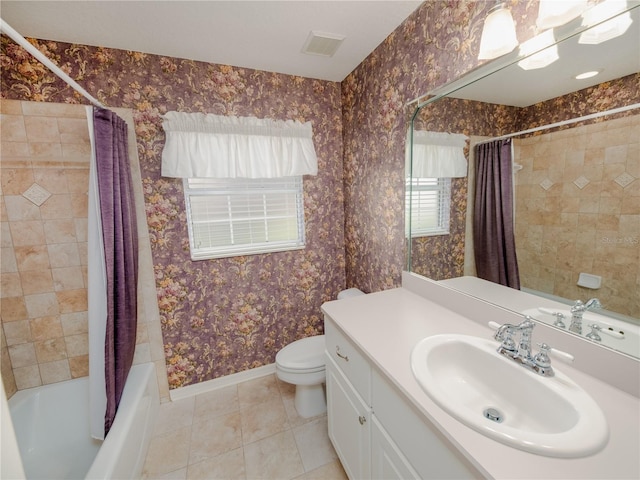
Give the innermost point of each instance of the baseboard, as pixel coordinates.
(217, 383)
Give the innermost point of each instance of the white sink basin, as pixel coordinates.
(501, 399)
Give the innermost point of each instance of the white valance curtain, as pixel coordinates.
(202, 145)
(437, 155)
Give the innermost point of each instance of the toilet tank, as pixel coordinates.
(350, 292)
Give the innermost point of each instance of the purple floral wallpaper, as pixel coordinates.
(435, 45)
(223, 316)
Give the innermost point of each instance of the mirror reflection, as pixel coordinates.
(565, 190)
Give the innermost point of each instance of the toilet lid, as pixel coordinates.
(303, 354)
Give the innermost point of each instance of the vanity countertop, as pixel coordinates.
(387, 325)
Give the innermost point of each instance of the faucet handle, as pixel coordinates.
(555, 353)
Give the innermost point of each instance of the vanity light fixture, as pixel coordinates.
(535, 53)
(589, 74)
(601, 32)
(553, 13)
(498, 33)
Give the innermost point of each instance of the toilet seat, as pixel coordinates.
(302, 356)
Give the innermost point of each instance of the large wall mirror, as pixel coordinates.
(575, 176)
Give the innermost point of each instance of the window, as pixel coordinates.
(241, 216)
(428, 202)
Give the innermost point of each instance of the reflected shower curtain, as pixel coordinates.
(113, 268)
(493, 222)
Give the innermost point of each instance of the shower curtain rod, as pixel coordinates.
(20, 40)
(565, 122)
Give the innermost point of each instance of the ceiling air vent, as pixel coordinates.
(321, 43)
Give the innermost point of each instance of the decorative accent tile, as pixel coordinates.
(581, 182)
(36, 194)
(624, 179)
(546, 184)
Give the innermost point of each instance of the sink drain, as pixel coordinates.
(493, 414)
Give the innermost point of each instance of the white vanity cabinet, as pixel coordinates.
(376, 433)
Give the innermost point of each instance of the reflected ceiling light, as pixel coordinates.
(601, 32)
(553, 13)
(535, 53)
(498, 33)
(590, 74)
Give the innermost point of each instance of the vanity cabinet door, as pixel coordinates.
(387, 462)
(349, 420)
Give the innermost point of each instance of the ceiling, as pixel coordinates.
(514, 86)
(263, 35)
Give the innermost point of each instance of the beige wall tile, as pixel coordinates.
(72, 300)
(22, 355)
(15, 180)
(14, 149)
(12, 128)
(42, 305)
(27, 377)
(53, 109)
(74, 323)
(26, 233)
(10, 107)
(20, 209)
(50, 350)
(60, 231)
(78, 180)
(13, 308)
(57, 207)
(10, 285)
(53, 180)
(46, 328)
(17, 332)
(42, 129)
(36, 281)
(63, 255)
(77, 345)
(34, 257)
(8, 260)
(52, 372)
(79, 366)
(45, 149)
(68, 278)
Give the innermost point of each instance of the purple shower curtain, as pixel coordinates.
(493, 230)
(120, 236)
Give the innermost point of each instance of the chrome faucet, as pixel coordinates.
(521, 352)
(577, 311)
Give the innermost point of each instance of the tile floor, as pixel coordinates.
(245, 431)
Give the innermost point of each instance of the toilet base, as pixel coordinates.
(310, 400)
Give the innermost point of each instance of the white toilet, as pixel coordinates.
(302, 364)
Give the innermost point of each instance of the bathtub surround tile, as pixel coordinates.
(10, 285)
(51, 350)
(67, 278)
(8, 263)
(12, 309)
(17, 332)
(22, 355)
(42, 305)
(36, 281)
(74, 323)
(26, 377)
(52, 372)
(79, 366)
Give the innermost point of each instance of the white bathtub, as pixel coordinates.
(52, 429)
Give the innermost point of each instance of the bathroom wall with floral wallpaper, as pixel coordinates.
(224, 316)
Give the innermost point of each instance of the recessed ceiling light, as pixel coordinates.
(584, 75)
